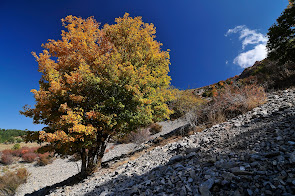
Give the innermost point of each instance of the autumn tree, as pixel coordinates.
(281, 43)
(99, 82)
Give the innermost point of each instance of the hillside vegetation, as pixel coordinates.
(11, 135)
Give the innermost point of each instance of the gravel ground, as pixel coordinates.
(62, 169)
(55, 172)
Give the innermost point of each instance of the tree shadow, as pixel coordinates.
(67, 182)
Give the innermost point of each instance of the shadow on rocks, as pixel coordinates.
(258, 158)
(68, 182)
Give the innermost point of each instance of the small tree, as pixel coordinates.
(281, 43)
(97, 83)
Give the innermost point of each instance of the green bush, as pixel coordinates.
(19, 140)
(16, 147)
(11, 140)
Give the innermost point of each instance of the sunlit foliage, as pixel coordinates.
(98, 82)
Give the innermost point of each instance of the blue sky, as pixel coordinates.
(209, 40)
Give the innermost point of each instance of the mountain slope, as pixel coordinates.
(252, 154)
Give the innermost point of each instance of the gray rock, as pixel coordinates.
(292, 158)
(237, 171)
(175, 159)
(206, 186)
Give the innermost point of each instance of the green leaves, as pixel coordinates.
(281, 36)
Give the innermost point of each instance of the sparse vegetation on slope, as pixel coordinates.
(271, 75)
(11, 180)
(228, 102)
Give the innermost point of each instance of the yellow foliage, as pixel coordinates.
(99, 81)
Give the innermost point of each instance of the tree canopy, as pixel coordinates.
(281, 43)
(98, 82)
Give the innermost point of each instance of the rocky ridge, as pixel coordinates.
(252, 154)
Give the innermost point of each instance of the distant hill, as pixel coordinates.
(10, 135)
(266, 73)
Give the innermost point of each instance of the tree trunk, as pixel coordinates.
(84, 162)
(92, 159)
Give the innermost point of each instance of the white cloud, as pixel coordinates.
(247, 59)
(249, 37)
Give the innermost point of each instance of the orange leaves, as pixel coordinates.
(82, 129)
(92, 115)
(96, 82)
(72, 117)
(56, 136)
(73, 78)
(76, 98)
(54, 87)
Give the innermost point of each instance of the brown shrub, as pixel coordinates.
(11, 180)
(235, 100)
(29, 157)
(155, 128)
(7, 151)
(17, 153)
(26, 150)
(230, 102)
(44, 159)
(22, 174)
(140, 136)
(6, 159)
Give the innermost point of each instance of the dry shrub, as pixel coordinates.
(44, 159)
(184, 102)
(6, 159)
(11, 180)
(121, 138)
(230, 102)
(235, 100)
(7, 151)
(17, 153)
(24, 150)
(29, 157)
(155, 128)
(140, 136)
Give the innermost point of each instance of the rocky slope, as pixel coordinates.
(252, 154)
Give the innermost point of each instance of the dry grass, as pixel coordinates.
(11, 180)
(22, 144)
(230, 102)
(184, 102)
